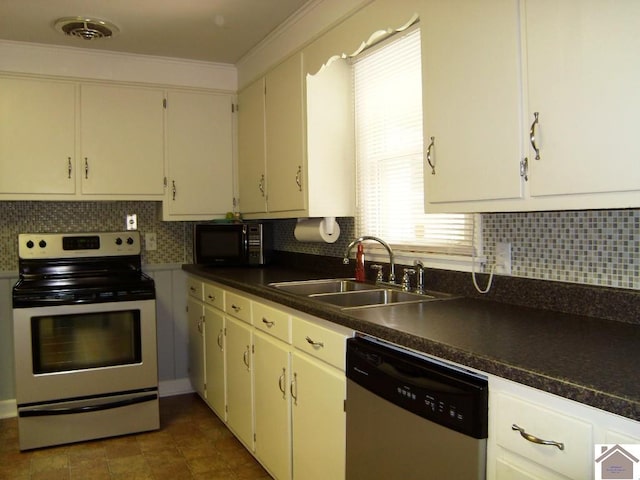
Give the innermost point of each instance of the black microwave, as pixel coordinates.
(232, 244)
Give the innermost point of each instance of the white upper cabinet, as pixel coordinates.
(37, 137)
(252, 165)
(577, 130)
(471, 101)
(285, 127)
(295, 143)
(583, 78)
(199, 160)
(122, 140)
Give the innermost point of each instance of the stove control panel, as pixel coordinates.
(76, 245)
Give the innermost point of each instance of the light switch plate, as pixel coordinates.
(132, 221)
(150, 241)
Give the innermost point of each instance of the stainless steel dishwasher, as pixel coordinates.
(410, 417)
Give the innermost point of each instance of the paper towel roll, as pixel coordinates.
(317, 230)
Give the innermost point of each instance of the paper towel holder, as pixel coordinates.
(329, 224)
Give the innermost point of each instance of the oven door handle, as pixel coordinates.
(87, 408)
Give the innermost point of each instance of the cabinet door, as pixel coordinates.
(122, 138)
(37, 138)
(318, 392)
(195, 316)
(214, 360)
(272, 405)
(251, 149)
(471, 101)
(285, 127)
(583, 76)
(239, 383)
(199, 155)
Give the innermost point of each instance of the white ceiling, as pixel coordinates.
(207, 30)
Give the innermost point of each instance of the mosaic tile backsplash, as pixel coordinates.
(599, 247)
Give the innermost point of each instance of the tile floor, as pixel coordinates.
(192, 443)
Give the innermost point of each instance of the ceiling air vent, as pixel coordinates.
(85, 28)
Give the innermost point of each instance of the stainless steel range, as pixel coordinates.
(84, 337)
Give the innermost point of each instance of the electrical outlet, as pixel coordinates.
(150, 241)
(503, 258)
(132, 221)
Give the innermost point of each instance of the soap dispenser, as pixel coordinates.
(360, 276)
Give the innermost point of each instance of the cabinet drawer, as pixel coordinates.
(195, 288)
(327, 345)
(272, 321)
(574, 461)
(237, 306)
(214, 296)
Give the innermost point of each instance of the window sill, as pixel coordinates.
(461, 263)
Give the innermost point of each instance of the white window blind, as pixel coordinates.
(387, 82)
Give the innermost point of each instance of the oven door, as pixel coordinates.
(86, 350)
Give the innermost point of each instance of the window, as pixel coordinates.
(387, 82)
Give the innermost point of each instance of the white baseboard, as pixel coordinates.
(168, 388)
(8, 408)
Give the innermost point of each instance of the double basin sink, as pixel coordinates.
(345, 293)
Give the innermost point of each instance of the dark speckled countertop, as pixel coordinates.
(586, 359)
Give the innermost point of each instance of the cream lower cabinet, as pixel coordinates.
(239, 341)
(214, 339)
(318, 393)
(517, 411)
(279, 375)
(318, 419)
(272, 405)
(195, 331)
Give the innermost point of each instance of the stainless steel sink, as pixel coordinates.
(369, 298)
(313, 287)
(346, 293)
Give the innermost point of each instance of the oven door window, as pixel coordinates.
(87, 340)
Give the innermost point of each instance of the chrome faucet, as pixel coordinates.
(420, 279)
(392, 273)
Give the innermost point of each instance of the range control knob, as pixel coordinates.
(42, 244)
(118, 241)
(129, 241)
(30, 244)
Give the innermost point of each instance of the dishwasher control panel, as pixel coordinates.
(431, 389)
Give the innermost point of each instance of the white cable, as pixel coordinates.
(473, 264)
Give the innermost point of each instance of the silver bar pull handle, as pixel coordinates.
(534, 439)
(220, 339)
(86, 168)
(429, 161)
(281, 385)
(236, 308)
(293, 388)
(261, 184)
(173, 189)
(69, 167)
(299, 178)
(245, 357)
(532, 135)
(314, 343)
(268, 323)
